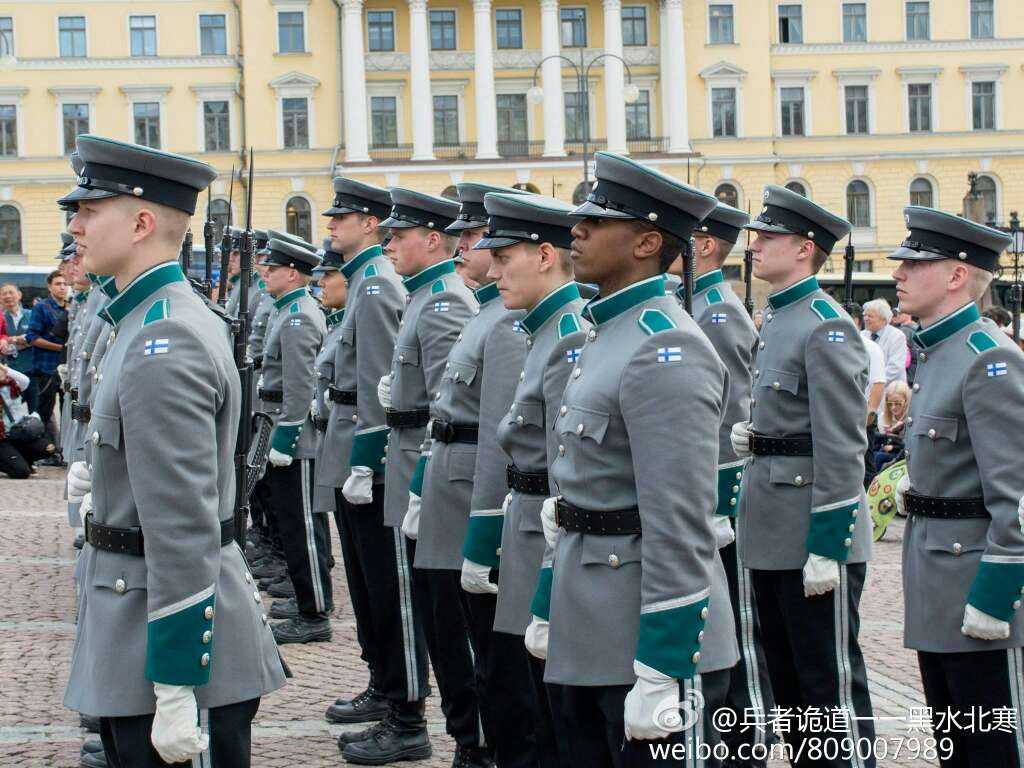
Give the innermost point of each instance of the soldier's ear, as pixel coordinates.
(648, 244)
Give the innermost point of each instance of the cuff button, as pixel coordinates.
(204, 660)
(208, 613)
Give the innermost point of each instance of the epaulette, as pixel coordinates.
(158, 310)
(823, 309)
(715, 296)
(370, 271)
(654, 321)
(438, 286)
(568, 323)
(980, 342)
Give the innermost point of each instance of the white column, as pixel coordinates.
(663, 67)
(353, 70)
(678, 129)
(421, 101)
(554, 107)
(486, 107)
(614, 79)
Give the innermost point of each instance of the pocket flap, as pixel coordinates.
(408, 355)
(326, 371)
(461, 465)
(791, 470)
(956, 536)
(348, 335)
(117, 572)
(530, 413)
(780, 380)
(583, 422)
(463, 373)
(105, 430)
(610, 551)
(935, 427)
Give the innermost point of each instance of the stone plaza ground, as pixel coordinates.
(37, 632)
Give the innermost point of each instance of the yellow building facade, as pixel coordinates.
(865, 105)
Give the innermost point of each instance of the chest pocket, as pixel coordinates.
(610, 551)
(935, 428)
(460, 373)
(955, 536)
(105, 431)
(118, 573)
(325, 370)
(408, 355)
(780, 381)
(523, 414)
(584, 423)
(791, 470)
(348, 336)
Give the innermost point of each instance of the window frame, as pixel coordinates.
(778, 22)
(282, 9)
(458, 117)
(648, 104)
(227, 115)
(712, 87)
(867, 109)
(309, 121)
(294, 195)
(803, 183)
(561, 22)
(932, 187)
(732, 5)
(199, 32)
(394, 30)
(10, 40)
(517, 10)
(997, 191)
(21, 228)
(85, 36)
(526, 119)
(135, 102)
(906, 20)
(804, 110)
(729, 182)
(995, 105)
(454, 28)
(842, 20)
(131, 35)
(870, 203)
(89, 104)
(11, 97)
(911, 113)
(970, 21)
(588, 104)
(645, 26)
(370, 112)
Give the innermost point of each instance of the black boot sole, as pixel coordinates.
(318, 637)
(373, 716)
(413, 753)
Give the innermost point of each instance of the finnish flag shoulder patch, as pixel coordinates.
(517, 326)
(992, 370)
(572, 355)
(156, 347)
(441, 306)
(837, 337)
(719, 318)
(670, 354)
(372, 290)
(295, 322)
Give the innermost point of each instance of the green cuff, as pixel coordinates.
(541, 604)
(416, 483)
(729, 478)
(998, 589)
(670, 639)
(285, 438)
(483, 539)
(179, 646)
(831, 531)
(369, 448)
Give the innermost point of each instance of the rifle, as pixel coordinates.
(186, 252)
(1016, 290)
(225, 246)
(689, 248)
(848, 258)
(208, 245)
(748, 276)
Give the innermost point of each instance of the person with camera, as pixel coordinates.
(22, 441)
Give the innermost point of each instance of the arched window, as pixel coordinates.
(527, 187)
(450, 192)
(297, 219)
(858, 204)
(579, 195)
(219, 212)
(726, 193)
(796, 186)
(922, 193)
(10, 230)
(985, 186)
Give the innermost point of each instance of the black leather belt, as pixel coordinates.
(73, 392)
(80, 413)
(610, 522)
(534, 483)
(272, 395)
(341, 396)
(447, 432)
(406, 419)
(128, 541)
(945, 508)
(319, 423)
(764, 445)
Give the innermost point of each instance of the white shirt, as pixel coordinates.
(876, 370)
(15, 405)
(894, 351)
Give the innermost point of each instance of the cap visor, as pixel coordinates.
(909, 254)
(761, 226)
(490, 243)
(461, 225)
(324, 270)
(392, 223)
(339, 211)
(589, 210)
(81, 193)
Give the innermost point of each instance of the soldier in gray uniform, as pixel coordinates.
(296, 333)
(170, 683)
(804, 529)
(963, 548)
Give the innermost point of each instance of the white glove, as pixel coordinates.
(85, 507)
(328, 403)
(176, 734)
(724, 534)
(279, 459)
(652, 708)
(314, 408)
(982, 626)
(821, 575)
(79, 481)
(547, 519)
(536, 639)
(259, 383)
(411, 521)
(508, 500)
(740, 437)
(901, 496)
(358, 489)
(476, 579)
(384, 390)
(62, 372)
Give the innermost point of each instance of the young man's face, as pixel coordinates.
(334, 288)
(234, 262)
(475, 263)
(10, 297)
(921, 285)
(104, 233)
(775, 256)
(278, 280)
(599, 248)
(516, 271)
(347, 231)
(407, 250)
(59, 288)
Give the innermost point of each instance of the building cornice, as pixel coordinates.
(898, 46)
(635, 56)
(129, 62)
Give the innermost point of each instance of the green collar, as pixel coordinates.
(108, 285)
(708, 279)
(93, 278)
(261, 285)
(289, 297)
(601, 310)
(547, 307)
(351, 266)
(81, 296)
(233, 279)
(793, 293)
(140, 289)
(486, 293)
(335, 317)
(428, 275)
(947, 326)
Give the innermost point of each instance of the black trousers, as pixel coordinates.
(305, 536)
(126, 740)
(964, 690)
(48, 388)
(17, 456)
(552, 740)
(378, 567)
(814, 658)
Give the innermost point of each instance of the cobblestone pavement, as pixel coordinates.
(37, 631)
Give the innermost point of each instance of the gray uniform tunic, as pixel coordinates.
(962, 442)
(163, 432)
(235, 293)
(323, 368)
(260, 321)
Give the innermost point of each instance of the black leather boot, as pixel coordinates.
(91, 723)
(284, 609)
(365, 707)
(401, 736)
(303, 629)
(281, 588)
(472, 757)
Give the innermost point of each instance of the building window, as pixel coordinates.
(446, 120)
(574, 27)
(512, 123)
(721, 28)
(862, 265)
(509, 27)
(726, 193)
(146, 115)
(291, 32)
(451, 192)
(7, 35)
(982, 26)
(75, 118)
(723, 112)
(8, 130)
(217, 126)
(792, 100)
(791, 24)
(855, 22)
(384, 121)
(921, 193)
(143, 35)
(10, 230)
(442, 30)
(579, 194)
(985, 187)
(983, 106)
(380, 29)
(858, 204)
(919, 103)
(796, 186)
(856, 109)
(219, 212)
(71, 31)
(918, 22)
(638, 118)
(213, 36)
(298, 221)
(295, 115)
(634, 25)
(575, 116)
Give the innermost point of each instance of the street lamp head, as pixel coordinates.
(630, 93)
(535, 95)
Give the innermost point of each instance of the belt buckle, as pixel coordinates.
(558, 512)
(447, 431)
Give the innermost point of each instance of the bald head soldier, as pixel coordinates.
(963, 548)
(160, 558)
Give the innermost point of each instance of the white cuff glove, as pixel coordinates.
(821, 575)
(740, 438)
(547, 519)
(279, 459)
(901, 496)
(314, 408)
(536, 639)
(652, 709)
(476, 579)
(176, 734)
(62, 372)
(508, 500)
(384, 390)
(79, 481)
(982, 626)
(411, 522)
(328, 404)
(358, 489)
(724, 534)
(85, 507)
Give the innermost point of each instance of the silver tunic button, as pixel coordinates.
(522, 375)
(248, 578)
(207, 637)
(529, 343)
(561, 450)
(447, 366)
(208, 613)
(592, 334)
(852, 528)
(798, 480)
(205, 660)
(757, 372)
(761, 345)
(776, 385)
(354, 417)
(958, 547)
(696, 657)
(563, 410)
(931, 433)
(613, 561)
(120, 586)
(401, 358)
(847, 542)
(579, 429)
(704, 613)
(1016, 604)
(739, 475)
(256, 597)
(520, 421)
(700, 636)
(263, 618)
(576, 373)
(732, 502)
(455, 377)
(437, 396)
(458, 338)
(917, 387)
(853, 514)
(922, 357)
(910, 420)
(735, 489)
(95, 438)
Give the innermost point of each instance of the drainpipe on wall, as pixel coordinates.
(341, 101)
(240, 64)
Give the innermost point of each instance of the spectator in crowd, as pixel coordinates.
(998, 315)
(758, 319)
(877, 316)
(889, 438)
(17, 451)
(906, 324)
(15, 352)
(47, 334)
